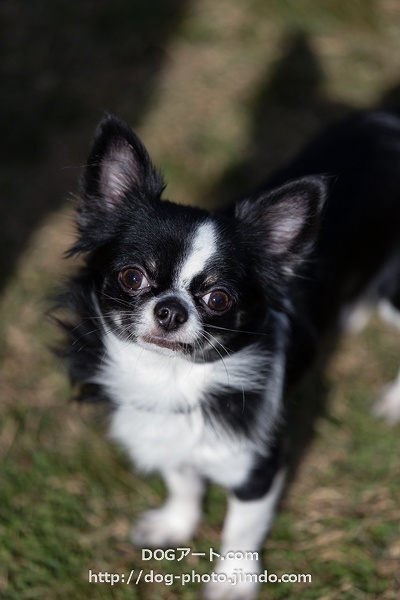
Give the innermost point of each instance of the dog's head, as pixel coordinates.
(177, 279)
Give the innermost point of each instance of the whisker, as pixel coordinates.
(236, 330)
(123, 313)
(118, 300)
(98, 329)
(219, 354)
(84, 335)
(228, 351)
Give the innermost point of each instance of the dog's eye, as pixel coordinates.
(133, 280)
(217, 300)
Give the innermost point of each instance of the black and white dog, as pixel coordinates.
(193, 324)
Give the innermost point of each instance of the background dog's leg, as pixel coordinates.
(355, 317)
(246, 525)
(176, 521)
(388, 404)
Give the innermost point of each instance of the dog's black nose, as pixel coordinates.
(170, 314)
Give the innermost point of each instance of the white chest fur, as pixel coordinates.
(150, 388)
(157, 382)
(165, 442)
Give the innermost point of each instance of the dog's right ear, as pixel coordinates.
(118, 166)
(118, 173)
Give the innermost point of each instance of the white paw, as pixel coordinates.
(236, 580)
(388, 404)
(163, 527)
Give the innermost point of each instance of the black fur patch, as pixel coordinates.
(236, 410)
(82, 348)
(261, 477)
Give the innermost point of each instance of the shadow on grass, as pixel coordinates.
(287, 110)
(61, 65)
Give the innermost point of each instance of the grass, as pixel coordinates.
(226, 91)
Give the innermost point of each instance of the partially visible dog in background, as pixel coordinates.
(193, 325)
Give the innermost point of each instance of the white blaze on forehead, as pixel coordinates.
(201, 250)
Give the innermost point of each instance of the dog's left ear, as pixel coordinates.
(283, 223)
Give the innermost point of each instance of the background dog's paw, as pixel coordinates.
(388, 404)
(238, 581)
(161, 528)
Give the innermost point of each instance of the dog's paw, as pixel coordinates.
(388, 404)
(163, 527)
(234, 580)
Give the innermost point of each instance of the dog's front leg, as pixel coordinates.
(388, 404)
(176, 521)
(246, 525)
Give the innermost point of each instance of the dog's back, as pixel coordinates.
(357, 255)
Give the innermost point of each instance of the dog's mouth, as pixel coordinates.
(165, 343)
